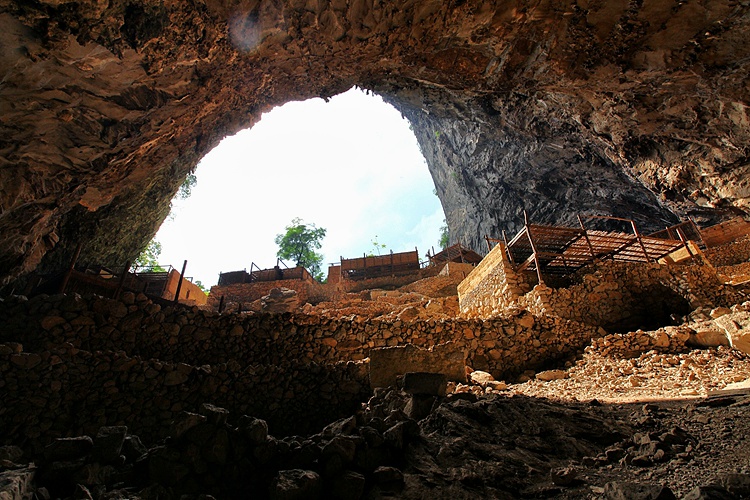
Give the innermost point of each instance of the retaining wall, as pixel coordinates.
(92, 361)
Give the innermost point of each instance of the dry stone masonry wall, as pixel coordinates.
(622, 296)
(616, 295)
(91, 361)
(730, 254)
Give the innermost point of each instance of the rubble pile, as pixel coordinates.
(690, 360)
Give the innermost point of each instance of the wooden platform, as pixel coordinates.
(456, 253)
(393, 264)
(556, 250)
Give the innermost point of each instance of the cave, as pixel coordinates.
(635, 109)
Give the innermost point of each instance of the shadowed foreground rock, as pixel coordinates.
(467, 447)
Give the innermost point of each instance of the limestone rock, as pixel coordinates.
(17, 483)
(708, 338)
(280, 300)
(425, 384)
(108, 443)
(618, 490)
(737, 328)
(568, 146)
(552, 375)
(296, 484)
(387, 364)
(62, 449)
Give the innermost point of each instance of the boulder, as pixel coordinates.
(548, 375)
(389, 363)
(623, 490)
(425, 383)
(280, 300)
(708, 338)
(295, 484)
(108, 443)
(737, 328)
(68, 448)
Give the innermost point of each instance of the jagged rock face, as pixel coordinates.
(554, 107)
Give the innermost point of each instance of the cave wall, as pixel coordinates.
(551, 107)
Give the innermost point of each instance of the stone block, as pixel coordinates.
(389, 363)
(425, 383)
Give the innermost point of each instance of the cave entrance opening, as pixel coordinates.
(650, 308)
(351, 165)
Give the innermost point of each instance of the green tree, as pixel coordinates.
(299, 243)
(186, 188)
(149, 257)
(444, 235)
(200, 285)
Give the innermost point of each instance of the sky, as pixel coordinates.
(351, 166)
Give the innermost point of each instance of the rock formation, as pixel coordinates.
(549, 106)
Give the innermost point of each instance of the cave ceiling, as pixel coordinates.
(629, 108)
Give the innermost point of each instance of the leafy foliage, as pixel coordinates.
(444, 236)
(299, 243)
(200, 285)
(149, 257)
(376, 247)
(186, 188)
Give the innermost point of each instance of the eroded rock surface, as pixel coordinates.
(553, 107)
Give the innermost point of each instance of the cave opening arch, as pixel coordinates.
(551, 108)
(350, 165)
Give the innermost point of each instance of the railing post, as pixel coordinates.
(685, 243)
(72, 266)
(640, 242)
(125, 272)
(586, 236)
(179, 283)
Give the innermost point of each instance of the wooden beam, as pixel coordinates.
(71, 267)
(179, 283)
(534, 254)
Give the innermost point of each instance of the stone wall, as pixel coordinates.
(492, 286)
(730, 254)
(64, 391)
(92, 361)
(387, 282)
(615, 295)
(245, 293)
(626, 296)
(504, 345)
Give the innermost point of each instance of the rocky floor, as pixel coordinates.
(574, 437)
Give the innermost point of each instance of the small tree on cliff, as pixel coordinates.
(299, 243)
(444, 235)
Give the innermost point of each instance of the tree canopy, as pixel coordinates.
(149, 257)
(444, 235)
(299, 243)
